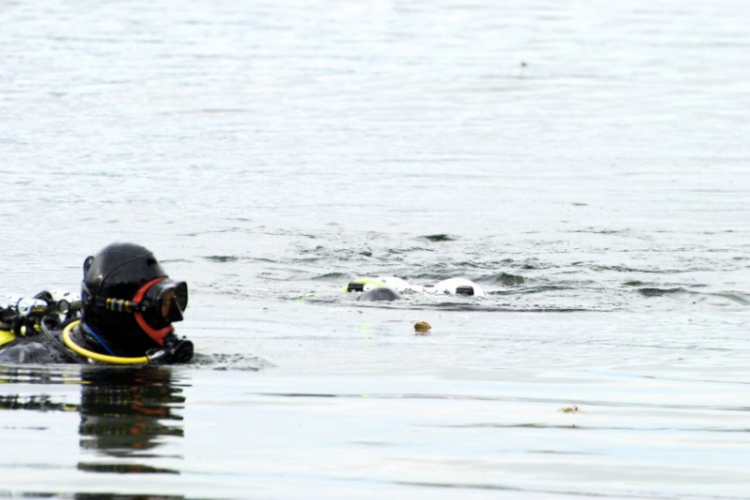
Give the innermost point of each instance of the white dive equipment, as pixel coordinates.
(457, 286)
(397, 284)
(452, 286)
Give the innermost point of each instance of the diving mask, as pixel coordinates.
(156, 305)
(162, 301)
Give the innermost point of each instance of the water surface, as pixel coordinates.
(584, 163)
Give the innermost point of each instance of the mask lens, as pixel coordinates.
(181, 295)
(166, 303)
(167, 300)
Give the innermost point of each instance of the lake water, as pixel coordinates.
(585, 162)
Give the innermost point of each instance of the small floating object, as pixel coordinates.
(422, 327)
(569, 409)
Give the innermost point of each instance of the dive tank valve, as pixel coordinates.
(45, 303)
(28, 307)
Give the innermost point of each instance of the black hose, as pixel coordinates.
(57, 342)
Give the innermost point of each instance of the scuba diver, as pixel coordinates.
(124, 316)
(390, 288)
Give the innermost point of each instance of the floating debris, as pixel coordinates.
(422, 327)
(569, 409)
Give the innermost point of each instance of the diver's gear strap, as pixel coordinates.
(121, 305)
(118, 305)
(156, 335)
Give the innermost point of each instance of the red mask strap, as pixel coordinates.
(156, 335)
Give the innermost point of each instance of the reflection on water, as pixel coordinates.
(127, 415)
(100, 496)
(38, 403)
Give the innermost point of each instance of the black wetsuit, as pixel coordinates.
(32, 351)
(46, 346)
(41, 348)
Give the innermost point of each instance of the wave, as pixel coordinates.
(731, 296)
(529, 271)
(439, 237)
(502, 278)
(234, 361)
(222, 258)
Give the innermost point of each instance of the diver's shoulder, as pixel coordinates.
(31, 351)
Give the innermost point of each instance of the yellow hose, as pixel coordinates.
(116, 360)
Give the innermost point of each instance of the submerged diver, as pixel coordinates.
(124, 316)
(389, 288)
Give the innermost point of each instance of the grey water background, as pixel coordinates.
(584, 162)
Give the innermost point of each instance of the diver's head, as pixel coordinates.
(129, 301)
